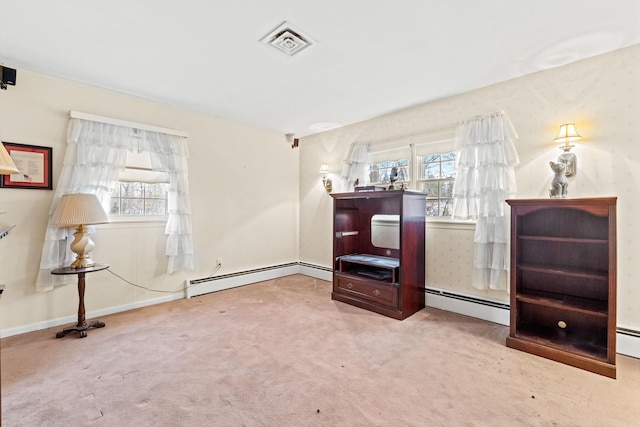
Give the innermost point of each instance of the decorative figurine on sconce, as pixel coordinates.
(559, 183)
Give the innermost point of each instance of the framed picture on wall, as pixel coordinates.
(34, 164)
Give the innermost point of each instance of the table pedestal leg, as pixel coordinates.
(82, 326)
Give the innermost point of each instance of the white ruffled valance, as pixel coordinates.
(94, 158)
(485, 178)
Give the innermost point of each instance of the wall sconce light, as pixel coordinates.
(78, 210)
(326, 181)
(291, 140)
(566, 135)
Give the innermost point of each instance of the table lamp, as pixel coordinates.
(7, 166)
(80, 210)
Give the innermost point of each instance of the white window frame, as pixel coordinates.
(439, 141)
(138, 165)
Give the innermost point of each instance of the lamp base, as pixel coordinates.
(82, 245)
(82, 262)
(569, 159)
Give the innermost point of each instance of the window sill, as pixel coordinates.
(456, 224)
(138, 221)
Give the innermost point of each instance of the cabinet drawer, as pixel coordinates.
(381, 293)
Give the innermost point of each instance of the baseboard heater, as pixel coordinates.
(467, 298)
(242, 273)
(241, 278)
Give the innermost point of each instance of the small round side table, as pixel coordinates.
(82, 326)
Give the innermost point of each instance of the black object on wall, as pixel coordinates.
(8, 77)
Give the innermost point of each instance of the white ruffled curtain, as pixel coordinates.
(95, 155)
(485, 178)
(355, 165)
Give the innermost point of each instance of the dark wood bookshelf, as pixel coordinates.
(563, 281)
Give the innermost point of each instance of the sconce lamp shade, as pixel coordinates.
(567, 133)
(7, 166)
(80, 209)
(324, 169)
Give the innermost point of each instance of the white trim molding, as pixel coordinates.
(125, 123)
(627, 339)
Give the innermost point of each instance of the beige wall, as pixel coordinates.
(244, 196)
(251, 193)
(601, 95)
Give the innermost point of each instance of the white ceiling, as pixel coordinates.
(369, 57)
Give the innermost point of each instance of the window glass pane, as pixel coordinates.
(430, 187)
(132, 206)
(403, 174)
(155, 191)
(154, 207)
(431, 158)
(131, 189)
(432, 170)
(374, 176)
(448, 169)
(446, 188)
(449, 156)
(432, 208)
(114, 208)
(446, 207)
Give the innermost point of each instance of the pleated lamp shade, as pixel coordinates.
(7, 166)
(78, 209)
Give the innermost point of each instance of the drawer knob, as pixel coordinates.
(376, 292)
(349, 285)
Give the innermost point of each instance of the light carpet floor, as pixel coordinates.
(282, 353)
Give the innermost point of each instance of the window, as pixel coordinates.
(427, 165)
(140, 191)
(436, 175)
(139, 198)
(381, 173)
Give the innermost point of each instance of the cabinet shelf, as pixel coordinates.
(564, 270)
(565, 302)
(580, 344)
(565, 239)
(384, 269)
(563, 281)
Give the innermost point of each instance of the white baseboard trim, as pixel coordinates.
(628, 342)
(627, 339)
(316, 271)
(93, 315)
(492, 311)
(218, 283)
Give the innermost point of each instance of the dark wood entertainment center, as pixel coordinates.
(388, 280)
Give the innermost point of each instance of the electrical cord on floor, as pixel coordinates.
(157, 290)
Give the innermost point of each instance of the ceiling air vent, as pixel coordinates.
(287, 40)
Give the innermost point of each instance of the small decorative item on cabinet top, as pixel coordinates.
(559, 184)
